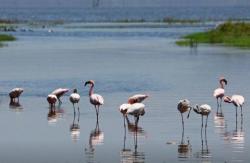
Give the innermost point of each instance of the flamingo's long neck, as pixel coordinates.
(221, 84)
(91, 90)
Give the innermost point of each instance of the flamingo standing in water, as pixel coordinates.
(52, 100)
(136, 110)
(203, 110)
(220, 92)
(15, 94)
(184, 106)
(138, 98)
(237, 100)
(95, 99)
(74, 98)
(60, 92)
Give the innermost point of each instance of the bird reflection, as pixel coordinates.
(237, 136)
(96, 137)
(184, 148)
(127, 155)
(219, 121)
(15, 106)
(204, 152)
(54, 114)
(75, 128)
(132, 128)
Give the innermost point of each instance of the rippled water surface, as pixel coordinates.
(122, 61)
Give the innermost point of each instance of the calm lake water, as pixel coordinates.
(104, 14)
(123, 62)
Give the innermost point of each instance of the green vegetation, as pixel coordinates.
(229, 34)
(5, 37)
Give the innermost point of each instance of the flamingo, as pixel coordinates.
(220, 92)
(184, 106)
(138, 98)
(15, 93)
(95, 99)
(60, 92)
(237, 100)
(203, 110)
(74, 98)
(52, 100)
(136, 110)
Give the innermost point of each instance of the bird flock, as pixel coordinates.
(134, 105)
(205, 109)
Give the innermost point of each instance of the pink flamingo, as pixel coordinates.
(220, 92)
(138, 98)
(237, 100)
(95, 99)
(60, 92)
(52, 100)
(15, 93)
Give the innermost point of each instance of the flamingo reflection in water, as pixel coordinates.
(75, 128)
(237, 136)
(219, 122)
(15, 106)
(54, 114)
(127, 155)
(204, 153)
(184, 148)
(96, 137)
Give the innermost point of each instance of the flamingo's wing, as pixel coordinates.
(98, 99)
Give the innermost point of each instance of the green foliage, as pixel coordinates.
(4, 37)
(229, 34)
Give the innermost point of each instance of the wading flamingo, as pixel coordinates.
(136, 110)
(184, 106)
(15, 94)
(52, 100)
(138, 98)
(219, 92)
(95, 99)
(74, 98)
(60, 92)
(203, 110)
(237, 100)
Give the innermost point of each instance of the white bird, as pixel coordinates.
(95, 99)
(52, 100)
(203, 110)
(15, 93)
(59, 92)
(74, 98)
(138, 98)
(220, 92)
(136, 110)
(184, 106)
(237, 100)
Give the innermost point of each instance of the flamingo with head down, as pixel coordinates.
(137, 98)
(237, 100)
(59, 92)
(15, 94)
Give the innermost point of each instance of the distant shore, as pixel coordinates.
(235, 34)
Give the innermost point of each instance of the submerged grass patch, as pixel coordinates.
(5, 37)
(229, 34)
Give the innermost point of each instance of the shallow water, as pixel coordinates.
(122, 64)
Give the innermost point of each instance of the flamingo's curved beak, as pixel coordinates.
(89, 82)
